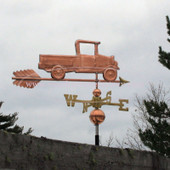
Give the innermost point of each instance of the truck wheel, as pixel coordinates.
(57, 72)
(110, 74)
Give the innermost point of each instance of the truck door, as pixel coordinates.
(88, 60)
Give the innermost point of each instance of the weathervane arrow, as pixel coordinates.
(29, 79)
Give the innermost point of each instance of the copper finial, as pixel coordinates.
(97, 92)
(97, 116)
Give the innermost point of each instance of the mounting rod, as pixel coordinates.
(97, 80)
(97, 135)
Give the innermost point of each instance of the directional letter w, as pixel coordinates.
(70, 99)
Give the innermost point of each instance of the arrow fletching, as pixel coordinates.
(26, 78)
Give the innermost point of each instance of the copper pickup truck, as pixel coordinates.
(58, 65)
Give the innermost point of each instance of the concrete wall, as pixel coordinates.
(21, 152)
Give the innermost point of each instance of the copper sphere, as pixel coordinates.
(97, 92)
(97, 116)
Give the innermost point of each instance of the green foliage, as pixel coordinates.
(7, 123)
(130, 153)
(7, 160)
(156, 133)
(45, 157)
(120, 151)
(92, 159)
(51, 156)
(164, 57)
(54, 168)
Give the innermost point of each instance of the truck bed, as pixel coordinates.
(46, 62)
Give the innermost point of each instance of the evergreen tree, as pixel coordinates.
(7, 123)
(164, 57)
(156, 135)
(152, 117)
(154, 131)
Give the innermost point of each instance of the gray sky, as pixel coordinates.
(131, 30)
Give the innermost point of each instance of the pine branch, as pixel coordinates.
(1, 104)
(168, 25)
(155, 113)
(16, 129)
(30, 130)
(164, 57)
(7, 122)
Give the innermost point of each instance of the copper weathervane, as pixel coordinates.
(59, 65)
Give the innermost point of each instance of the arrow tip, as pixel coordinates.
(122, 81)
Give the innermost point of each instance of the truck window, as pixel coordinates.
(87, 49)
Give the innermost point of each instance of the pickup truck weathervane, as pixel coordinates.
(59, 65)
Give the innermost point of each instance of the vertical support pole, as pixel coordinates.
(97, 80)
(97, 135)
